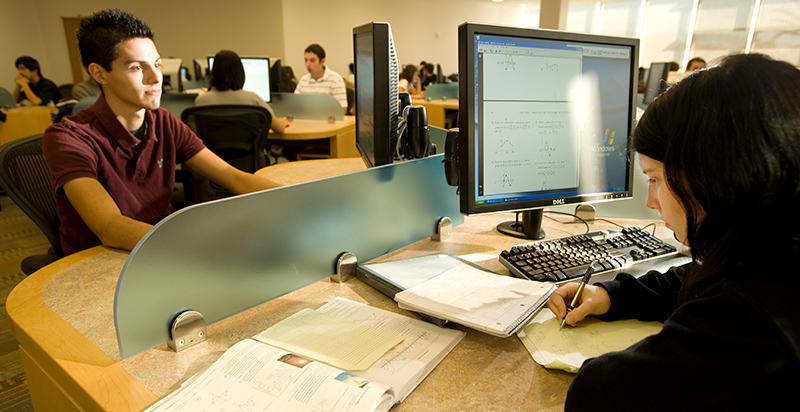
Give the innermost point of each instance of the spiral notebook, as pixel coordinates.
(495, 304)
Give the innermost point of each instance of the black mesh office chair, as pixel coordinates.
(236, 133)
(25, 179)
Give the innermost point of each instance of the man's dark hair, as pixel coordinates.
(227, 72)
(30, 63)
(100, 33)
(316, 49)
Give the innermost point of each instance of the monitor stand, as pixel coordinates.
(530, 227)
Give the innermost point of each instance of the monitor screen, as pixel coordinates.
(544, 120)
(256, 75)
(376, 93)
(656, 81)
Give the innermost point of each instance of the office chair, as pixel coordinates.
(83, 103)
(25, 178)
(236, 133)
(7, 99)
(351, 99)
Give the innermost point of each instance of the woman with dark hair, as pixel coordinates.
(226, 81)
(409, 81)
(722, 153)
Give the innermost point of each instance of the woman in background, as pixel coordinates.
(226, 81)
(722, 153)
(409, 81)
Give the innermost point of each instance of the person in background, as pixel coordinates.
(320, 79)
(226, 81)
(721, 144)
(695, 64)
(289, 81)
(112, 165)
(427, 76)
(351, 77)
(409, 82)
(31, 86)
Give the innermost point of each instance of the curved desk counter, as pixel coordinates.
(63, 319)
(341, 135)
(307, 170)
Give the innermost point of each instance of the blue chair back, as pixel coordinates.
(7, 99)
(83, 103)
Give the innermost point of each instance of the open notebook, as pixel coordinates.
(482, 300)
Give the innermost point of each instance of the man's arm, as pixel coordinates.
(23, 85)
(102, 215)
(214, 168)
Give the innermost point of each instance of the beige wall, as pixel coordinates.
(184, 29)
(423, 29)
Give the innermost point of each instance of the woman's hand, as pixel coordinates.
(593, 301)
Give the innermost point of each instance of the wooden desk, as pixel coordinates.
(308, 170)
(25, 121)
(341, 135)
(437, 110)
(63, 319)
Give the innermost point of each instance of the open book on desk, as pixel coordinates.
(269, 377)
(482, 300)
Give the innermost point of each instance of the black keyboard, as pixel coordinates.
(559, 260)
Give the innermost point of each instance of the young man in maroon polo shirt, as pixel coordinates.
(112, 165)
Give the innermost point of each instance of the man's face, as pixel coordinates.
(314, 65)
(26, 72)
(134, 82)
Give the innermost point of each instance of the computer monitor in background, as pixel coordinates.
(199, 70)
(256, 75)
(171, 69)
(439, 74)
(276, 77)
(545, 118)
(377, 86)
(656, 81)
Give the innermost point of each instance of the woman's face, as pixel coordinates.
(661, 198)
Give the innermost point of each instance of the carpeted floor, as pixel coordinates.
(19, 237)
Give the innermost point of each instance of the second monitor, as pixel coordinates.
(256, 75)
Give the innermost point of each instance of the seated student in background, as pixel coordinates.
(695, 64)
(409, 82)
(722, 153)
(427, 75)
(320, 79)
(112, 165)
(31, 86)
(226, 80)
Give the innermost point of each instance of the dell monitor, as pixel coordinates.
(256, 75)
(544, 120)
(376, 99)
(656, 81)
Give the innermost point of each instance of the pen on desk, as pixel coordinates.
(578, 292)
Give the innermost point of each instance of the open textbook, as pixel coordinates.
(567, 348)
(491, 303)
(257, 376)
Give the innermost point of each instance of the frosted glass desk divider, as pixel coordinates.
(306, 106)
(223, 257)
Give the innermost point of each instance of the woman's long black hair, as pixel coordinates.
(729, 139)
